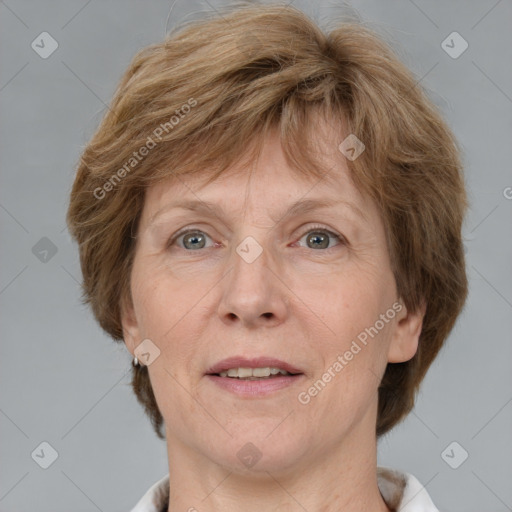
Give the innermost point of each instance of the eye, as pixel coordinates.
(192, 239)
(318, 236)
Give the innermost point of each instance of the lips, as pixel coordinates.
(258, 362)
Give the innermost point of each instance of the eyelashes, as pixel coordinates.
(318, 229)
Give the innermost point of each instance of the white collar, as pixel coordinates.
(401, 491)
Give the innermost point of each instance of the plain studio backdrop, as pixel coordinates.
(65, 386)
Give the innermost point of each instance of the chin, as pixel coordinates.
(262, 450)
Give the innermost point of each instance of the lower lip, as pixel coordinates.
(255, 388)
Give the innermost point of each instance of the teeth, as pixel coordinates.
(259, 372)
(244, 372)
(247, 373)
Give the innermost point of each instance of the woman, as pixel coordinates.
(269, 217)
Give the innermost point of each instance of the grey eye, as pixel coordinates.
(319, 238)
(193, 239)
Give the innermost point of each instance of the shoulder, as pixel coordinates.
(155, 498)
(403, 492)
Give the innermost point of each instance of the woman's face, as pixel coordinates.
(254, 282)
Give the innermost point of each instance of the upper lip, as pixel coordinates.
(257, 362)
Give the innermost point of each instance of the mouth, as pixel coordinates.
(242, 373)
(252, 369)
(253, 377)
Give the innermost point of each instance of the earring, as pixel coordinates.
(135, 361)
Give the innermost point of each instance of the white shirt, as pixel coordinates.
(401, 491)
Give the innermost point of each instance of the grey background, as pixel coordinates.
(65, 382)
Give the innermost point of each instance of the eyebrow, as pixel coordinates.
(299, 207)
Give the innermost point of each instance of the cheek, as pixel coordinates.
(163, 300)
(352, 356)
(174, 311)
(350, 339)
(343, 304)
(165, 307)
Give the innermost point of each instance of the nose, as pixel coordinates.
(253, 294)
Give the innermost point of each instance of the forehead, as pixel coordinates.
(267, 182)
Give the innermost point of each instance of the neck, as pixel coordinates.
(339, 477)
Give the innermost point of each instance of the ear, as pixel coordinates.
(131, 331)
(407, 330)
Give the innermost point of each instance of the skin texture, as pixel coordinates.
(299, 301)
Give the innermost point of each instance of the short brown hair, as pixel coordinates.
(217, 83)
